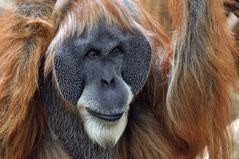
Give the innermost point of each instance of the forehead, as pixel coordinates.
(103, 33)
(101, 36)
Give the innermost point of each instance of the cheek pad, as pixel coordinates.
(69, 75)
(137, 62)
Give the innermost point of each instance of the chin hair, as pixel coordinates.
(104, 133)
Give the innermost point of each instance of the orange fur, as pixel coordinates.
(174, 121)
(23, 42)
(203, 74)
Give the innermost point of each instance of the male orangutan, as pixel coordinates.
(96, 79)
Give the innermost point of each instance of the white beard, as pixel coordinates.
(104, 133)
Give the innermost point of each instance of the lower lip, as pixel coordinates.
(108, 117)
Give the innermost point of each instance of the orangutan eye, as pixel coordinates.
(92, 54)
(115, 52)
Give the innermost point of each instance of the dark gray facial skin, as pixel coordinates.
(102, 60)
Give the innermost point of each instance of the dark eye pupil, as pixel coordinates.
(92, 54)
(115, 52)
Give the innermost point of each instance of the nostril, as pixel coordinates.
(104, 83)
(112, 82)
(108, 83)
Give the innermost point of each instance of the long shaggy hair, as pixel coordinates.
(166, 121)
(203, 74)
